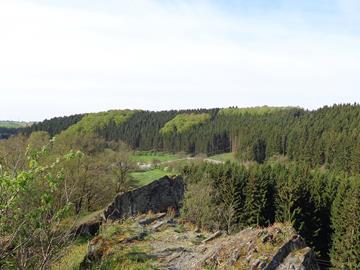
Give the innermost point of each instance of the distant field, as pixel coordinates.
(147, 177)
(224, 157)
(13, 124)
(149, 157)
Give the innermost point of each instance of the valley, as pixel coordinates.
(242, 168)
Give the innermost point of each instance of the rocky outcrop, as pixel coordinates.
(156, 197)
(96, 249)
(293, 255)
(275, 248)
(301, 259)
(90, 228)
(173, 244)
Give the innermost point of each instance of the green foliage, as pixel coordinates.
(199, 205)
(71, 257)
(288, 187)
(306, 154)
(12, 154)
(231, 196)
(30, 213)
(324, 137)
(151, 156)
(234, 111)
(90, 123)
(93, 177)
(184, 122)
(215, 195)
(259, 209)
(345, 252)
(131, 259)
(53, 126)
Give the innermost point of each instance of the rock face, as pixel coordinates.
(157, 196)
(90, 228)
(173, 244)
(303, 259)
(274, 248)
(294, 255)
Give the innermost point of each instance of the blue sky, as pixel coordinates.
(65, 57)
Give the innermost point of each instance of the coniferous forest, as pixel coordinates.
(326, 137)
(290, 165)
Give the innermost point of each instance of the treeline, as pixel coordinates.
(324, 207)
(7, 132)
(142, 131)
(325, 137)
(53, 126)
(213, 131)
(307, 169)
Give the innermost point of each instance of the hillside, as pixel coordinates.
(324, 137)
(135, 234)
(169, 243)
(14, 124)
(242, 168)
(9, 128)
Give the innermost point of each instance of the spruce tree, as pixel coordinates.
(345, 252)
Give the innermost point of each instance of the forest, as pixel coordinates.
(289, 165)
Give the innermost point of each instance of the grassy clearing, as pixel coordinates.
(150, 157)
(147, 177)
(13, 124)
(131, 257)
(72, 258)
(224, 157)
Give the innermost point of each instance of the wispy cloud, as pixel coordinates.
(174, 54)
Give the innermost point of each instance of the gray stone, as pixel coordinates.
(147, 221)
(213, 236)
(88, 229)
(295, 244)
(157, 196)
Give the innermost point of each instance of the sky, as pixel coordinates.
(60, 57)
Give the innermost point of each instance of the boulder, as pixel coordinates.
(156, 197)
(90, 228)
(286, 259)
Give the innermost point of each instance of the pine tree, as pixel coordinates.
(287, 194)
(258, 207)
(345, 252)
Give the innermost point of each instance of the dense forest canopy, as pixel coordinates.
(324, 137)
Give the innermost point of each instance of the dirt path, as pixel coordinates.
(210, 160)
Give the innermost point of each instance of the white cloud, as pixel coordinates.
(57, 60)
